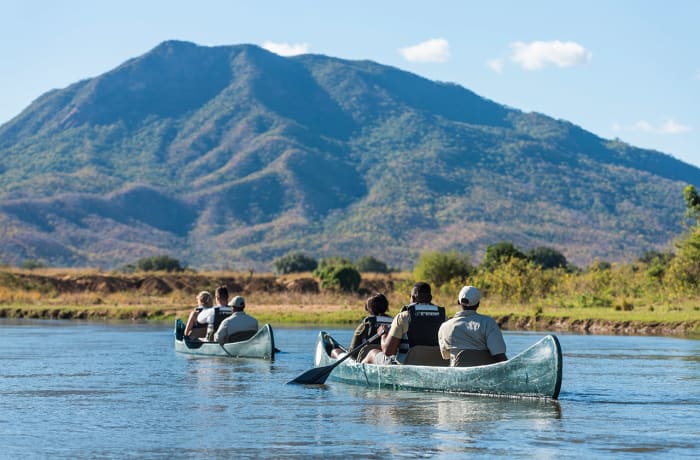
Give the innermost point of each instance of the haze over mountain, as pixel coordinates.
(230, 156)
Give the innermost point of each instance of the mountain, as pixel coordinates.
(230, 156)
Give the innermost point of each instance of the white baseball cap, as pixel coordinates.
(469, 296)
(237, 302)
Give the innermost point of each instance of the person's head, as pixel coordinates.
(237, 303)
(377, 304)
(222, 295)
(421, 293)
(204, 299)
(469, 298)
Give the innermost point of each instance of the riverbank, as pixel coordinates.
(297, 300)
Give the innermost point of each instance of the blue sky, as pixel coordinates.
(623, 68)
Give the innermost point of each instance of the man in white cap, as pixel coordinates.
(239, 326)
(471, 339)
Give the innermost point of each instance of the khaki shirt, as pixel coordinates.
(399, 325)
(239, 321)
(469, 330)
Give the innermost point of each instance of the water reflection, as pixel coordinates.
(447, 411)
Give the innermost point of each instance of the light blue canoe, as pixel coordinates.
(535, 373)
(261, 345)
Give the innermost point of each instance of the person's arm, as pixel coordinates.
(392, 339)
(221, 334)
(190, 323)
(390, 345)
(496, 344)
(444, 346)
(357, 337)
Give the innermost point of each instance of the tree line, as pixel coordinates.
(513, 274)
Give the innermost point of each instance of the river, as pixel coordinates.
(72, 389)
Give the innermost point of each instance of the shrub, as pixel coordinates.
(547, 257)
(438, 268)
(370, 264)
(342, 277)
(499, 253)
(333, 261)
(159, 263)
(657, 263)
(32, 264)
(683, 272)
(519, 280)
(294, 262)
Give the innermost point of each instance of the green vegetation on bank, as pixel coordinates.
(536, 289)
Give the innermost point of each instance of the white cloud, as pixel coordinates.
(286, 49)
(669, 126)
(496, 65)
(535, 55)
(434, 50)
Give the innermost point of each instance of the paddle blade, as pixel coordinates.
(318, 376)
(315, 376)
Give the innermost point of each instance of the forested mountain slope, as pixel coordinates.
(227, 157)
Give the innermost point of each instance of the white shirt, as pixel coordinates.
(208, 315)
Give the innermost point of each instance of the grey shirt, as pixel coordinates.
(469, 330)
(239, 321)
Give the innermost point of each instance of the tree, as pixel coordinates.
(294, 262)
(547, 257)
(159, 263)
(333, 261)
(341, 276)
(684, 269)
(31, 264)
(439, 268)
(692, 202)
(499, 253)
(657, 263)
(370, 264)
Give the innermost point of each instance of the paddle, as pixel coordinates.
(318, 375)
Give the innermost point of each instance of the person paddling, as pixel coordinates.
(416, 324)
(377, 306)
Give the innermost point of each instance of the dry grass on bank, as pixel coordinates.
(91, 294)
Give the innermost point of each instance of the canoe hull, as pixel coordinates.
(535, 373)
(261, 345)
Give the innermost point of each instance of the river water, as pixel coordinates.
(95, 390)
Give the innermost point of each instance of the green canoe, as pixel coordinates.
(536, 372)
(260, 345)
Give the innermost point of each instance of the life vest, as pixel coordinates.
(219, 316)
(424, 322)
(372, 323)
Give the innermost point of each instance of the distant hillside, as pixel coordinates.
(228, 157)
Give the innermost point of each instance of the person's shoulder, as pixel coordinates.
(449, 322)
